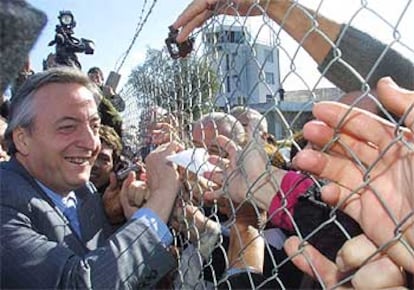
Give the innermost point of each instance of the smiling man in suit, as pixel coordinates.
(54, 235)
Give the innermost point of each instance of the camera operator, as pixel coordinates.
(107, 111)
(66, 44)
(96, 75)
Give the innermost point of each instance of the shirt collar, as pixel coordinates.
(62, 202)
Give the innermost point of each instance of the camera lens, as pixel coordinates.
(66, 19)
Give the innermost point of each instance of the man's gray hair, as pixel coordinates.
(22, 113)
(225, 124)
(250, 118)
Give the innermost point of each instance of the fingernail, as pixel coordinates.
(340, 262)
(392, 84)
(390, 81)
(294, 161)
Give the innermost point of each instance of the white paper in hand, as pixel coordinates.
(194, 160)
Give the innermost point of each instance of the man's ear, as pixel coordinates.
(21, 140)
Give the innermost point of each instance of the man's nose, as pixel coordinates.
(88, 138)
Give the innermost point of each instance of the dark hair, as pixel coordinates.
(94, 70)
(108, 135)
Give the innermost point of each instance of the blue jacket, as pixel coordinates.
(38, 248)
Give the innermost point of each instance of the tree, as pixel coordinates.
(184, 87)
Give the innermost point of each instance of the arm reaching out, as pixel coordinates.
(371, 166)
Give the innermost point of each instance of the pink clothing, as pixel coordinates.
(283, 203)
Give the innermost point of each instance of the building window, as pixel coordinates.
(269, 78)
(228, 84)
(221, 37)
(281, 93)
(210, 38)
(227, 62)
(269, 55)
(238, 37)
(225, 36)
(269, 99)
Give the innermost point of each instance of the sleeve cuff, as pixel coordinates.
(151, 219)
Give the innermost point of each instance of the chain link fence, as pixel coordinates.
(240, 62)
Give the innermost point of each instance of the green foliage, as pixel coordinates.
(184, 87)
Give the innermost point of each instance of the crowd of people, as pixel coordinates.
(77, 212)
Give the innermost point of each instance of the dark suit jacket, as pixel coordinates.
(38, 248)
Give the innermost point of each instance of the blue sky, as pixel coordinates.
(112, 23)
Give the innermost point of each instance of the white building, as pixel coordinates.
(248, 71)
(248, 74)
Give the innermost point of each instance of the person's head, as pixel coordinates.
(53, 128)
(50, 61)
(250, 119)
(108, 157)
(209, 126)
(96, 75)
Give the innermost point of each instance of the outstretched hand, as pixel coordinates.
(246, 174)
(371, 271)
(199, 11)
(371, 166)
(163, 179)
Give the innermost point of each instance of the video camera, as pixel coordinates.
(178, 50)
(66, 44)
(125, 167)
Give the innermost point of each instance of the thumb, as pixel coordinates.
(213, 195)
(309, 260)
(113, 182)
(127, 182)
(396, 99)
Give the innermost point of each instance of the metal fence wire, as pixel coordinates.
(245, 78)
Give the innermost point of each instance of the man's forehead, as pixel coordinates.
(65, 101)
(63, 93)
